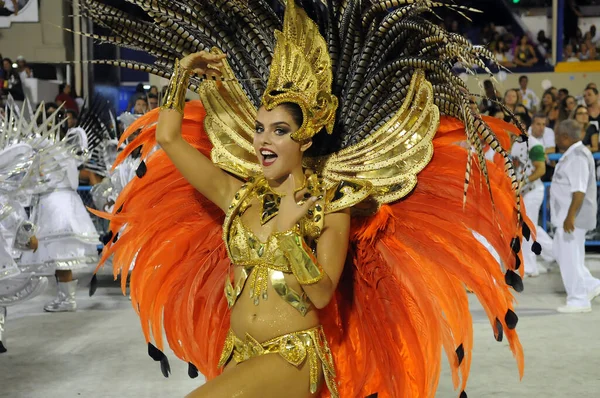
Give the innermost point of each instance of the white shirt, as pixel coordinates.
(574, 172)
(522, 162)
(9, 5)
(530, 100)
(548, 139)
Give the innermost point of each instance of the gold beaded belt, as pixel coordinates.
(295, 348)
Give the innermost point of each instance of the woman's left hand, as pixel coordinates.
(294, 205)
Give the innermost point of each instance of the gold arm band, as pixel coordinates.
(303, 263)
(177, 88)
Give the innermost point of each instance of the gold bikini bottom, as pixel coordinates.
(295, 348)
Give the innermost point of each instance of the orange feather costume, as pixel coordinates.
(401, 297)
(378, 82)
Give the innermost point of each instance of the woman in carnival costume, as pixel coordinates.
(322, 179)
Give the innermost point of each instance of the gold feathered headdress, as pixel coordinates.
(301, 73)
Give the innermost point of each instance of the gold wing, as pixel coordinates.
(230, 123)
(383, 168)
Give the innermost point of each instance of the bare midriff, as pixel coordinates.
(270, 318)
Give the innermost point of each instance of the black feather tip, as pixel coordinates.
(141, 170)
(115, 238)
(154, 352)
(165, 368)
(463, 395)
(515, 245)
(93, 285)
(460, 354)
(513, 279)
(120, 209)
(517, 262)
(511, 319)
(499, 330)
(536, 248)
(159, 356)
(2, 348)
(526, 231)
(192, 370)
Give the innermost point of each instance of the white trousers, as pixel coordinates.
(569, 251)
(532, 201)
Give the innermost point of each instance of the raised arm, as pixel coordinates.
(212, 182)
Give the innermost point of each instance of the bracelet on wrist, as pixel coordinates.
(177, 88)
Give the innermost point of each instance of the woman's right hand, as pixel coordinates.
(203, 63)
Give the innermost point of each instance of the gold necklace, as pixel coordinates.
(271, 200)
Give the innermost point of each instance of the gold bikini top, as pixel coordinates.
(264, 261)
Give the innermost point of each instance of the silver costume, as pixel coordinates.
(67, 238)
(17, 159)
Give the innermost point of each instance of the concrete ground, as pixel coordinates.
(99, 351)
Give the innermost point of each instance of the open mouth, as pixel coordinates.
(268, 157)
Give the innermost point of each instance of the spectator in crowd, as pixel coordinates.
(503, 56)
(520, 108)
(562, 94)
(588, 131)
(511, 99)
(594, 36)
(8, 8)
(569, 55)
(72, 119)
(550, 108)
(24, 70)
(64, 97)
(573, 206)
(586, 51)
(141, 106)
(139, 92)
(590, 97)
(542, 132)
(152, 101)
(570, 103)
(571, 19)
(12, 81)
(566, 107)
(524, 119)
(545, 42)
(51, 107)
(524, 53)
(528, 97)
(153, 90)
(492, 96)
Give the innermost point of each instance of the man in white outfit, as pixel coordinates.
(529, 161)
(573, 209)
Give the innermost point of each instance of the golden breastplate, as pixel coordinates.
(262, 262)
